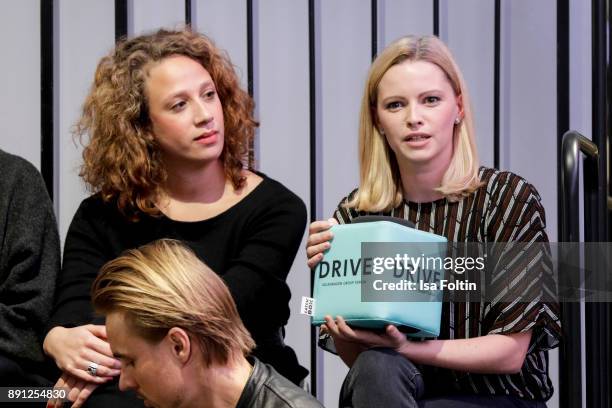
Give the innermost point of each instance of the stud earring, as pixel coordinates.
(381, 131)
(457, 120)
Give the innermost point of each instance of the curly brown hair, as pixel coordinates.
(122, 160)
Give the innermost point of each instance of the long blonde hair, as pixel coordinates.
(380, 187)
(164, 285)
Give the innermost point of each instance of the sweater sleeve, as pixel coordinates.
(29, 264)
(256, 276)
(84, 255)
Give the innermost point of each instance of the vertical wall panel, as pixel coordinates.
(344, 57)
(225, 22)
(86, 34)
(48, 96)
(528, 106)
(528, 98)
(529, 134)
(121, 19)
(283, 99)
(398, 18)
(581, 110)
(440, 19)
(580, 67)
(150, 15)
(470, 34)
(20, 79)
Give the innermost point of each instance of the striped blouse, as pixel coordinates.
(505, 209)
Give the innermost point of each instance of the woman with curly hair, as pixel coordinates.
(169, 129)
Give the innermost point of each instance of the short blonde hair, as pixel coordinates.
(380, 187)
(163, 285)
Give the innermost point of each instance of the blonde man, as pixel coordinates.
(174, 325)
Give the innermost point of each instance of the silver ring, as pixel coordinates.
(92, 369)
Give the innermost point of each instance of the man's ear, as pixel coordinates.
(180, 342)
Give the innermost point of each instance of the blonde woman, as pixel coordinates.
(418, 161)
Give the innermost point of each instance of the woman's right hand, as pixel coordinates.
(73, 349)
(348, 351)
(318, 240)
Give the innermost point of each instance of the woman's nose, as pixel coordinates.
(413, 116)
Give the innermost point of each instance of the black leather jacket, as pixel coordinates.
(268, 389)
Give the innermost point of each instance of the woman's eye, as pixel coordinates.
(394, 105)
(178, 106)
(432, 100)
(209, 94)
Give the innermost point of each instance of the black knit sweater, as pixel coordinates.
(251, 246)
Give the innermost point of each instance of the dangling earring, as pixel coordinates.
(381, 131)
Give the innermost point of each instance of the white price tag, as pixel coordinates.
(308, 306)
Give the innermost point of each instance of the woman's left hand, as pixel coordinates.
(77, 391)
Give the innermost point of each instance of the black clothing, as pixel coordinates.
(251, 246)
(268, 389)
